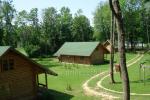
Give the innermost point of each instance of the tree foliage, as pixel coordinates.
(102, 20)
(44, 36)
(81, 28)
(136, 21)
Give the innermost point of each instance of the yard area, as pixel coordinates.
(136, 84)
(68, 83)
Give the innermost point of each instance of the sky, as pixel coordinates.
(88, 6)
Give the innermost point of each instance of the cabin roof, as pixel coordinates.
(22, 50)
(5, 49)
(106, 43)
(77, 48)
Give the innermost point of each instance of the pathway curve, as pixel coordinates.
(105, 95)
(99, 83)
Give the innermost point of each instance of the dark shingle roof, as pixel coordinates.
(77, 48)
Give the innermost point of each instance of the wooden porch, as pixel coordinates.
(42, 85)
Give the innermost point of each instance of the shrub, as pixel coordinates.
(69, 88)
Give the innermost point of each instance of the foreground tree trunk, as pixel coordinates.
(112, 50)
(115, 7)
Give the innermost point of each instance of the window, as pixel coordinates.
(8, 64)
(81, 58)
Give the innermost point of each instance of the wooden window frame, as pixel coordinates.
(82, 57)
(7, 64)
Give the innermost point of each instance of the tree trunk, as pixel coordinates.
(112, 50)
(131, 41)
(115, 7)
(148, 45)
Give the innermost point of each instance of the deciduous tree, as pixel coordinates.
(115, 7)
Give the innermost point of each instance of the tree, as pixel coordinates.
(51, 29)
(22, 30)
(147, 20)
(1, 24)
(115, 7)
(102, 20)
(34, 33)
(82, 31)
(112, 49)
(66, 21)
(28, 30)
(8, 15)
(131, 15)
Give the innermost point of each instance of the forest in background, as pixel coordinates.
(44, 36)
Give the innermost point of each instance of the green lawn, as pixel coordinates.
(137, 86)
(72, 76)
(129, 56)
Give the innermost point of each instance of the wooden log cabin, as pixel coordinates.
(108, 45)
(19, 75)
(81, 52)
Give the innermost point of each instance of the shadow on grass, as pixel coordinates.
(147, 81)
(136, 81)
(47, 62)
(55, 95)
(43, 59)
(117, 83)
(49, 65)
(106, 62)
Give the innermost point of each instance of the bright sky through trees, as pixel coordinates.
(88, 6)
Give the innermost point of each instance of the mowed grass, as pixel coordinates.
(71, 77)
(137, 86)
(129, 56)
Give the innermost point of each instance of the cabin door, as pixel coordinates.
(5, 93)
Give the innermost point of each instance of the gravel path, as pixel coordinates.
(99, 83)
(105, 95)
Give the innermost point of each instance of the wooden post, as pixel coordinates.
(46, 80)
(144, 75)
(37, 80)
(140, 72)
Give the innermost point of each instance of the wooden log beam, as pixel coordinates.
(46, 83)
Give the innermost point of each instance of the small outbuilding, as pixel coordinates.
(19, 75)
(107, 45)
(81, 52)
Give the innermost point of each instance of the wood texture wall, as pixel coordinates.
(75, 59)
(96, 57)
(19, 83)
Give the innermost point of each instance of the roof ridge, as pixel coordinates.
(83, 41)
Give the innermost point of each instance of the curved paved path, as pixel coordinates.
(105, 95)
